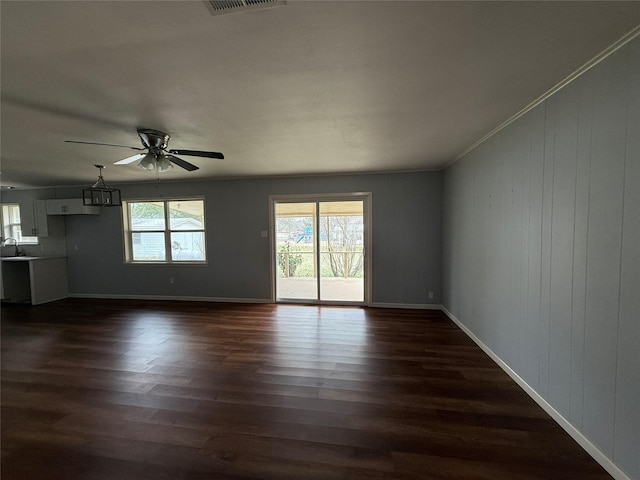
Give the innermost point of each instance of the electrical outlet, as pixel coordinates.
(171, 280)
(430, 295)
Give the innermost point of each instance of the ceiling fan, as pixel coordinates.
(157, 155)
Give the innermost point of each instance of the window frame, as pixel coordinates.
(24, 239)
(129, 233)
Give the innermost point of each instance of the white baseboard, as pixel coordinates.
(583, 441)
(169, 297)
(416, 306)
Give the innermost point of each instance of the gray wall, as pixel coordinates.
(407, 252)
(541, 234)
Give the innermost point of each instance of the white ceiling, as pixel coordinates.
(311, 87)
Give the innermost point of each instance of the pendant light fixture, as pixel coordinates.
(100, 194)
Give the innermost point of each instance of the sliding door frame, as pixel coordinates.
(366, 199)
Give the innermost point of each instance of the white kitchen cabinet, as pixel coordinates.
(33, 218)
(70, 206)
(34, 280)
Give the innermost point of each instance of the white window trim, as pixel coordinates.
(127, 233)
(25, 239)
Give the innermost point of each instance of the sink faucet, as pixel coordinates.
(15, 243)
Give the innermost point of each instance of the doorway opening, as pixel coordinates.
(320, 248)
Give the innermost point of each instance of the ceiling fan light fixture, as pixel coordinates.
(164, 164)
(148, 162)
(100, 194)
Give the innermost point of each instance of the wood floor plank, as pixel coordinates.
(124, 389)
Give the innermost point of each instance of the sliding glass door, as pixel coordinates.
(297, 265)
(320, 249)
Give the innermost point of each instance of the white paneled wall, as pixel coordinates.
(542, 252)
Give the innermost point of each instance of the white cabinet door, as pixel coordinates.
(33, 218)
(56, 207)
(27, 218)
(70, 206)
(48, 279)
(15, 282)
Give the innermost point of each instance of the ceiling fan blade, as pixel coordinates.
(198, 153)
(128, 160)
(105, 144)
(181, 163)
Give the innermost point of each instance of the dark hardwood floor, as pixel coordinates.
(118, 390)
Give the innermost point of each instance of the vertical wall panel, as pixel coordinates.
(524, 165)
(450, 225)
(478, 267)
(579, 272)
(531, 342)
(382, 253)
(564, 289)
(467, 237)
(603, 252)
(546, 246)
(561, 288)
(627, 407)
(513, 190)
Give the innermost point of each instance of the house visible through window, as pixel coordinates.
(11, 226)
(164, 231)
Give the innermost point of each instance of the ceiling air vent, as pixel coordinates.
(222, 7)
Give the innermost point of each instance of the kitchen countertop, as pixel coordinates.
(25, 258)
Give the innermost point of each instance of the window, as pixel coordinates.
(11, 227)
(164, 231)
